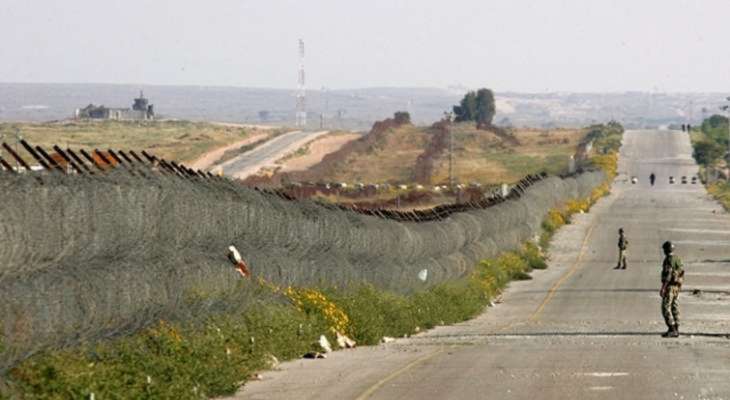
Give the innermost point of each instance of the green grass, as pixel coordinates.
(171, 361)
(214, 358)
(524, 164)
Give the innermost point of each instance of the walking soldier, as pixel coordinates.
(623, 244)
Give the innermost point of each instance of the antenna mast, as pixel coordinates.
(301, 117)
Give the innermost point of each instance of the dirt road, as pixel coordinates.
(579, 330)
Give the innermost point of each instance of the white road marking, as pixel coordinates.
(600, 388)
(717, 231)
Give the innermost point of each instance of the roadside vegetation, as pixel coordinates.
(606, 137)
(710, 144)
(710, 141)
(182, 141)
(720, 190)
(175, 360)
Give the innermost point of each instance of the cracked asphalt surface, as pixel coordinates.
(580, 329)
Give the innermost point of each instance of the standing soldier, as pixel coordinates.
(623, 244)
(672, 278)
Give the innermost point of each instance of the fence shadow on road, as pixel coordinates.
(601, 334)
(688, 290)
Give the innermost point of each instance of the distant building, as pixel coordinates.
(141, 111)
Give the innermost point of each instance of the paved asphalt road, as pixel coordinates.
(266, 154)
(579, 330)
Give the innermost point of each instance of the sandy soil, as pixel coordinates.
(317, 150)
(209, 158)
(254, 126)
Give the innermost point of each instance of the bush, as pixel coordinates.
(534, 257)
(606, 137)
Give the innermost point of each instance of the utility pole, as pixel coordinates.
(301, 116)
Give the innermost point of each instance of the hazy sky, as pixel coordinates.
(520, 45)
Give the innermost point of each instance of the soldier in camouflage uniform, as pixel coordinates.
(672, 279)
(623, 244)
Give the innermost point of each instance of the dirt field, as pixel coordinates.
(174, 140)
(390, 159)
(479, 156)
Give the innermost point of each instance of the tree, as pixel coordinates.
(467, 108)
(477, 106)
(707, 152)
(715, 121)
(716, 129)
(485, 108)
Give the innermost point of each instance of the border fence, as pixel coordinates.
(107, 244)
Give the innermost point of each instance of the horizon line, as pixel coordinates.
(375, 87)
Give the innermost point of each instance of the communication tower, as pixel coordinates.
(301, 117)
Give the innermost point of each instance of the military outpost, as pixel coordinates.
(141, 111)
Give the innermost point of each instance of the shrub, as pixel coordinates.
(535, 259)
